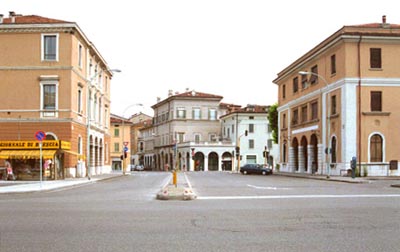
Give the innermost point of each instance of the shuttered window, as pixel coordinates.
(376, 101)
(376, 148)
(376, 57)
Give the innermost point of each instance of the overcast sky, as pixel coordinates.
(232, 48)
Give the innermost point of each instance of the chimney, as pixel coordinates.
(170, 93)
(12, 16)
(1, 18)
(384, 19)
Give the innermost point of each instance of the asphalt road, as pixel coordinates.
(233, 213)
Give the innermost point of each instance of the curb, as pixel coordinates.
(331, 179)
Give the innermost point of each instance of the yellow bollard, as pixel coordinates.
(174, 178)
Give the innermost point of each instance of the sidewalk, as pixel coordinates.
(344, 179)
(34, 186)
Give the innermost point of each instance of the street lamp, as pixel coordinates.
(123, 136)
(328, 150)
(89, 85)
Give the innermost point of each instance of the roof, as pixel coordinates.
(249, 109)
(32, 19)
(189, 95)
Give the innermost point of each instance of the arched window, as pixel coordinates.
(376, 145)
(333, 153)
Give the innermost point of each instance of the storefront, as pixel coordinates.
(25, 158)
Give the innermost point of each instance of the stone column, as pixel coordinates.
(301, 159)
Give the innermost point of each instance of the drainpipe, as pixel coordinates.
(359, 104)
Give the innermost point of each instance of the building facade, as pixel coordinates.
(338, 102)
(53, 79)
(120, 129)
(255, 147)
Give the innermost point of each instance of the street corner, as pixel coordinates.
(176, 193)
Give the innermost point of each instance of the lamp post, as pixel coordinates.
(89, 85)
(328, 150)
(123, 136)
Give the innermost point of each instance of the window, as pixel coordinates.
(295, 84)
(304, 81)
(49, 99)
(116, 132)
(333, 150)
(333, 64)
(233, 129)
(376, 101)
(80, 151)
(314, 111)
(213, 138)
(284, 121)
(304, 114)
(251, 128)
(375, 57)
(196, 114)
(197, 138)
(251, 117)
(80, 55)
(295, 117)
(80, 110)
(376, 144)
(284, 91)
(180, 137)
(251, 143)
(50, 47)
(116, 147)
(314, 75)
(212, 114)
(333, 105)
(181, 113)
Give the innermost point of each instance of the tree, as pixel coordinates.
(273, 121)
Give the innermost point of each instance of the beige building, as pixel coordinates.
(186, 133)
(53, 79)
(340, 98)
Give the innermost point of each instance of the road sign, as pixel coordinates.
(126, 149)
(40, 135)
(126, 143)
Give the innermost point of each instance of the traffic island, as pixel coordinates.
(171, 192)
(177, 191)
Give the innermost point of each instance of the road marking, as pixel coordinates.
(299, 196)
(267, 188)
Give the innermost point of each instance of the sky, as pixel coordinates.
(232, 48)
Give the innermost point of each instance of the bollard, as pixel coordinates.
(174, 178)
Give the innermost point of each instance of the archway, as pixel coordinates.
(304, 154)
(227, 161)
(314, 153)
(213, 161)
(295, 147)
(199, 161)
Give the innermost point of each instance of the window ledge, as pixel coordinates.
(376, 113)
(375, 69)
(334, 116)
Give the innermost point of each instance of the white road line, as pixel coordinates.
(267, 188)
(299, 196)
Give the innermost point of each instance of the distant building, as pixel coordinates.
(258, 144)
(343, 104)
(53, 79)
(189, 132)
(120, 138)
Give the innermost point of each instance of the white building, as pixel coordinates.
(252, 119)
